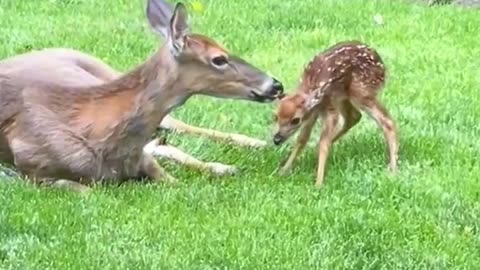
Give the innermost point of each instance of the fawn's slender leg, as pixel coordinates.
(177, 155)
(351, 116)
(386, 123)
(171, 123)
(328, 133)
(302, 139)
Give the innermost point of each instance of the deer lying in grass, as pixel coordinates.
(341, 81)
(72, 131)
(73, 63)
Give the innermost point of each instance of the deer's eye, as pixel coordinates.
(220, 61)
(295, 121)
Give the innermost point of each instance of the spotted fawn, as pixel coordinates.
(340, 81)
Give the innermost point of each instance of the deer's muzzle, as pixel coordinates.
(277, 88)
(278, 139)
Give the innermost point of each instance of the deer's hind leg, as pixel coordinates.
(40, 167)
(64, 184)
(383, 119)
(44, 147)
(351, 118)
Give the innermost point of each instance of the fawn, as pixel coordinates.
(341, 81)
(64, 127)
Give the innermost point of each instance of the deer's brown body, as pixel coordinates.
(339, 82)
(66, 131)
(69, 126)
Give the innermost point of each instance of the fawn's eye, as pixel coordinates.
(295, 121)
(220, 61)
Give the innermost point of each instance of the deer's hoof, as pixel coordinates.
(257, 144)
(247, 141)
(222, 169)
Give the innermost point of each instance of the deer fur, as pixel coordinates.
(339, 82)
(69, 127)
(74, 63)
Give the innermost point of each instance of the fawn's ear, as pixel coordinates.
(178, 28)
(313, 99)
(159, 14)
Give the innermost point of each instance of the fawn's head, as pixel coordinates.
(293, 109)
(205, 67)
(289, 116)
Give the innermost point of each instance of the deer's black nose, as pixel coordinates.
(278, 139)
(277, 87)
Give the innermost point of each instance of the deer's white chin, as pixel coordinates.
(260, 98)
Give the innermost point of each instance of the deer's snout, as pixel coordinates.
(278, 139)
(270, 90)
(277, 88)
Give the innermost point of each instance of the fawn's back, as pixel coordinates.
(345, 70)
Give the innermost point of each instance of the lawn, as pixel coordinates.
(425, 217)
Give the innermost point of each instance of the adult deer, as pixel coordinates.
(71, 63)
(71, 131)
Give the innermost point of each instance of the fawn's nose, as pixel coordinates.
(278, 139)
(277, 88)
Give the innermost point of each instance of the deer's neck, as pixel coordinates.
(122, 115)
(156, 89)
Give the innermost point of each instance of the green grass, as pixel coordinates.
(426, 217)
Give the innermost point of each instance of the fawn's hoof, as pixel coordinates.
(318, 184)
(284, 171)
(393, 168)
(220, 169)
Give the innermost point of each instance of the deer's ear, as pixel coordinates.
(178, 28)
(313, 99)
(159, 14)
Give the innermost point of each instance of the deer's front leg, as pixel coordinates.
(328, 134)
(177, 155)
(153, 170)
(302, 140)
(171, 123)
